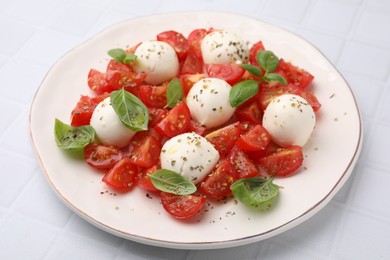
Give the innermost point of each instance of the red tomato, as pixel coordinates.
(188, 80)
(254, 140)
(242, 164)
(294, 75)
(82, 113)
(153, 96)
(115, 66)
(144, 181)
(217, 184)
(224, 138)
(122, 176)
(254, 51)
(193, 64)
(182, 206)
(231, 73)
(176, 121)
(117, 79)
(101, 157)
(283, 162)
(196, 128)
(250, 112)
(177, 41)
(156, 115)
(195, 38)
(144, 149)
(133, 48)
(97, 81)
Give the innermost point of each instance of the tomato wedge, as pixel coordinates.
(144, 149)
(195, 38)
(144, 181)
(156, 115)
(177, 41)
(193, 64)
(97, 81)
(283, 162)
(122, 176)
(101, 157)
(258, 46)
(224, 138)
(188, 80)
(242, 164)
(231, 73)
(294, 75)
(175, 122)
(255, 139)
(182, 206)
(82, 113)
(153, 96)
(250, 112)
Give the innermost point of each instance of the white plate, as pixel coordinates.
(330, 154)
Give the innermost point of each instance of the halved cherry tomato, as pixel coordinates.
(144, 181)
(115, 66)
(177, 41)
(101, 157)
(193, 64)
(176, 121)
(132, 48)
(182, 206)
(153, 96)
(250, 111)
(231, 73)
(223, 139)
(242, 164)
(156, 115)
(97, 81)
(196, 128)
(144, 149)
(82, 113)
(282, 162)
(117, 79)
(195, 38)
(217, 184)
(255, 139)
(254, 51)
(188, 80)
(122, 176)
(294, 75)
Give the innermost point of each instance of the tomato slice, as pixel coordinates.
(153, 96)
(255, 139)
(118, 66)
(217, 184)
(156, 115)
(231, 73)
(122, 176)
(177, 41)
(294, 75)
(144, 181)
(224, 138)
(176, 121)
(82, 113)
(182, 206)
(242, 164)
(101, 157)
(193, 64)
(250, 112)
(97, 81)
(195, 38)
(188, 80)
(283, 162)
(144, 149)
(254, 51)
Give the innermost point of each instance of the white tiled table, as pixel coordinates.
(34, 224)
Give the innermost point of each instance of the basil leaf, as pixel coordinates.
(117, 54)
(252, 69)
(174, 92)
(72, 138)
(129, 58)
(267, 60)
(242, 91)
(172, 182)
(255, 192)
(274, 77)
(130, 110)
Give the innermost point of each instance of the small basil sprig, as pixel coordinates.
(72, 138)
(174, 92)
(172, 182)
(120, 55)
(130, 110)
(256, 192)
(242, 91)
(268, 61)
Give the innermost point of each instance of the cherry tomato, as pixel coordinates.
(255, 139)
(294, 75)
(82, 113)
(231, 73)
(196, 128)
(118, 66)
(97, 81)
(156, 115)
(144, 181)
(122, 176)
(195, 38)
(250, 112)
(176, 121)
(224, 138)
(193, 64)
(182, 206)
(144, 149)
(242, 164)
(177, 41)
(188, 80)
(101, 157)
(254, 51)
(153, 96)
(283, 162)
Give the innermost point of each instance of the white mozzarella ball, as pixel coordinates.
(190, 155)
(108, 127)
(289, 119)
(208, 101)
(222, 47)
(158, 60)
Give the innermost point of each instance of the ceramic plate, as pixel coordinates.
(330, 153)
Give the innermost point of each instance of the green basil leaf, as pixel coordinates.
(267, 60)
(242, 91)
(252, 69)
(129, 58)
(72, 138)
(117, 54)
(274, 77)
(172, 182)
(174, 92)
(130, 110)
(255, 192)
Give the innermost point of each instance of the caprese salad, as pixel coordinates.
(203, 117)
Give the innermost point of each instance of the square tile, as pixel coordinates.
(381, 4)
(281, 251)
(384, 110)
(3, 61)
(368, 27)
(13, 110)
(250, 8)
(379, 143)
(282, 9)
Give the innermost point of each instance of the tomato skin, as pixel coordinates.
(182, 206)
(176, 121)
(256, 48)
(242, 164)
(144, 181)
(294, 75)
(250, 111)
(188, 80)
(177, 41)
(223, 139)
(255, 139)
(193, 64)
(231, 73)
(144, 149)
(196, 128)
(82, 113)
(122, 176)
(153, 96)
(156, 115)
(283, 162)
(101, 157)
(97, 81)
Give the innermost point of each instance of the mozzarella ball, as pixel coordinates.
(289, 119)
(190, 155)
(158, 60)
(208, 101)
(222, 47)
(108, 127)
